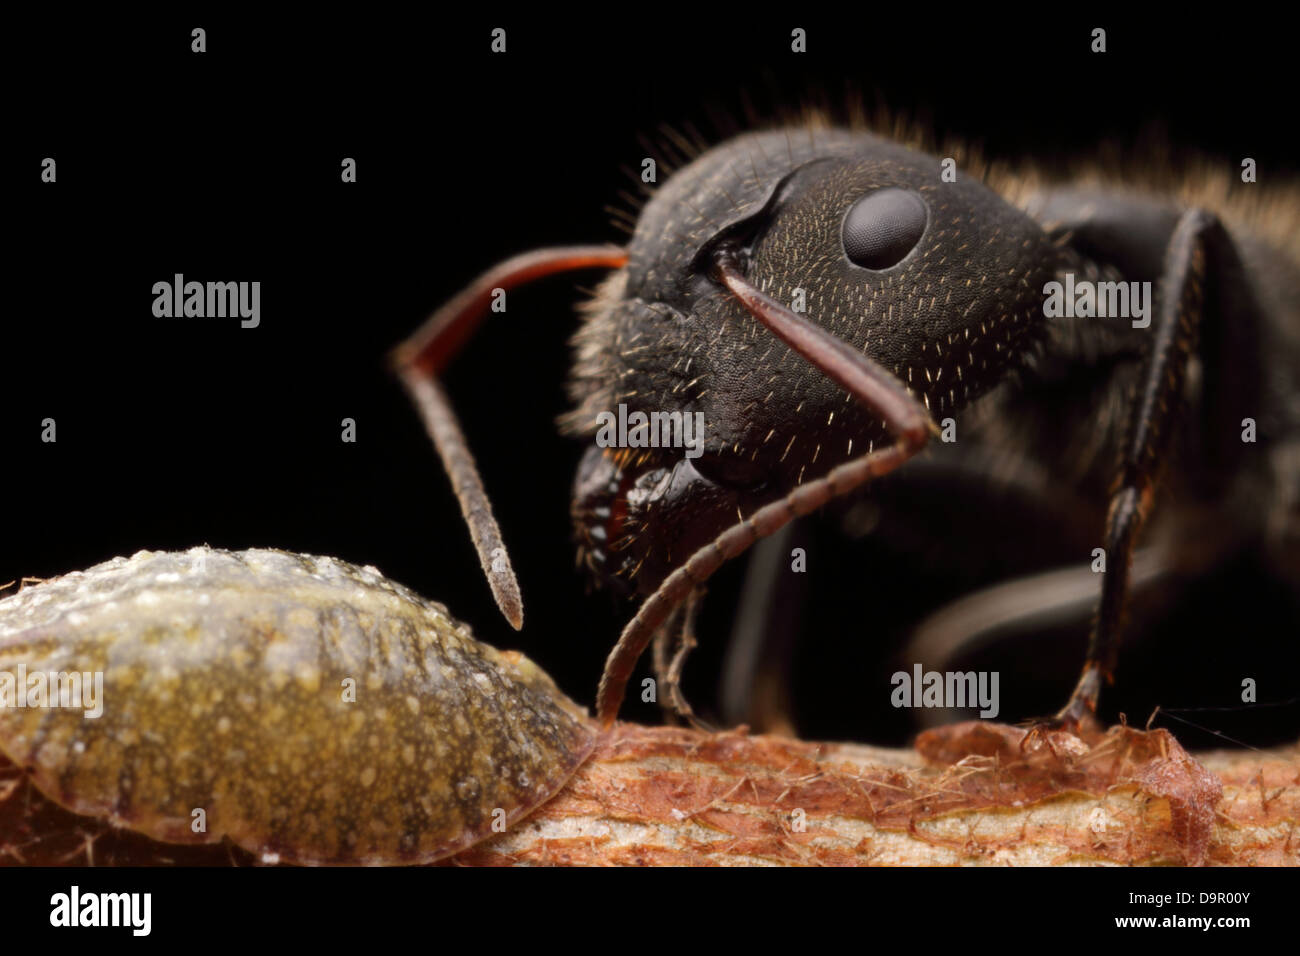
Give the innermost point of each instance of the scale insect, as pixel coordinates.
(826, 298)
(307, 710)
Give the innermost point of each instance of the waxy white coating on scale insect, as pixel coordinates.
(315, 711)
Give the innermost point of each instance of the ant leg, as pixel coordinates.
(676, 636)
(664, 641)
(685, 644)
(1154, 415)
(423, 356)
(904, 417)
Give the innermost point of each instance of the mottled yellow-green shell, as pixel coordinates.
(313, 711)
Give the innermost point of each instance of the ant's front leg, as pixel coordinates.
(665, 640)
(686, 643)
(1197, 241)
(673, 642)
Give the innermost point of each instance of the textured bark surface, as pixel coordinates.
(974, 793)
(969, 794)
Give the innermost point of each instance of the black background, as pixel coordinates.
(172, 432)
(225, 166)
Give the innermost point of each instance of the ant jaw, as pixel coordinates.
(599, 512)
(637, 516)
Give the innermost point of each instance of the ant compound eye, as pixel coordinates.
(883, 227)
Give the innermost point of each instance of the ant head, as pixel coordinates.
(939, 282)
